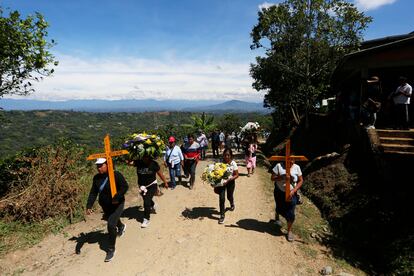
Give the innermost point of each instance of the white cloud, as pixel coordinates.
(132, 78)
(265, 5)
(372, 4)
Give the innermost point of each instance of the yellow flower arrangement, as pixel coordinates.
(216, 174)
(140, 144)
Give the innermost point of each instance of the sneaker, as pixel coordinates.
(221, 220)
(145, 223)
(232, 207)
(154, 209)
(172, 187)
(290, 237)
(121, 230)
(278, 222)
(109, 255)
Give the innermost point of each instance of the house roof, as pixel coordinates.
(391, 53)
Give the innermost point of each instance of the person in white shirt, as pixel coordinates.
(174, 160)
(401, 98)
(228, 186)
(222, 137)
(202, 140)
(283, 207)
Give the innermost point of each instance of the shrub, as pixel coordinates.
(45, 182)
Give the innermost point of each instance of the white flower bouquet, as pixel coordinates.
(216, 174)
(140, 144)
(250, 127)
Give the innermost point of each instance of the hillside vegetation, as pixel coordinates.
(25, 129)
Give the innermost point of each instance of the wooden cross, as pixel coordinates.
(287, 158)
(108, 154)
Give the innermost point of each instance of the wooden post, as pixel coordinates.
(108, 154)
(287, 158)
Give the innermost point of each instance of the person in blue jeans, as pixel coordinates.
(173, 160)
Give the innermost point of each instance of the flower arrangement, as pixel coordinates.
(216, 174)
(140, 144)
(250, 127)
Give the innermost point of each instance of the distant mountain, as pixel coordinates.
(133, 105)
(233, 106)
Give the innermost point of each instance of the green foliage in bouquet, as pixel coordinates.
(141, 144)
(216, 174)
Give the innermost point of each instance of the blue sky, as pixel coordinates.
(166, 49)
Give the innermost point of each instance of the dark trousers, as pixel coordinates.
(215, 148)
(221, 191)
(113, 215)
(190, 169)
(400, 116)
(148, 202)
(283, 208)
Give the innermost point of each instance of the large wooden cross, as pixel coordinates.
(287, 158)
(108, 154)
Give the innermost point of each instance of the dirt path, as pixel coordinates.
(184, 238)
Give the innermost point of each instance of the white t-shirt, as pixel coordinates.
(401, 98)
(221, 136)
(295, 172)
(202, 140)
(232, 167)
(175, 157)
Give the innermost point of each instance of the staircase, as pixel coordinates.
(396, 142)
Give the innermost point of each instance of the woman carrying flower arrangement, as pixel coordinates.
(143, 149)
(147, 169)
(228, 185)
(191, 153)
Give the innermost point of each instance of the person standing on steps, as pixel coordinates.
(401, 98)
(191, 156)
(284, 208)
(174, 160)
(147, 171)
(112, 207)
(228, 186)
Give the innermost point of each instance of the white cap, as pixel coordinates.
(100, 161)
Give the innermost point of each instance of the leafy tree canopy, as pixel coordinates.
(303, 41)
(24, 55)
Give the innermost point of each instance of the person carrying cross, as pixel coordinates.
(111, 206)
(283, 207)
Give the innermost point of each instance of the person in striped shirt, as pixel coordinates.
(191, 156)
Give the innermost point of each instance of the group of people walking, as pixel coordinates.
(175, 159)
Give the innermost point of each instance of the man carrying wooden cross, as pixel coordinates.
(111, 187)
(288, 181)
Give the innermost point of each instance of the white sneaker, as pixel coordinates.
(145, 223)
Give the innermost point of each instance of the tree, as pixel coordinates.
(303, 41)
(24, 55)
(229, 123)
(203, 122)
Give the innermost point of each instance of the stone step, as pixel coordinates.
(397, 147)
(397, 140)
(395, 133)
(399, 153)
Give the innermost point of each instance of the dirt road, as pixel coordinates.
(184, 238)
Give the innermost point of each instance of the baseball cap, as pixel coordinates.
(100, 161)
(171, 139)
